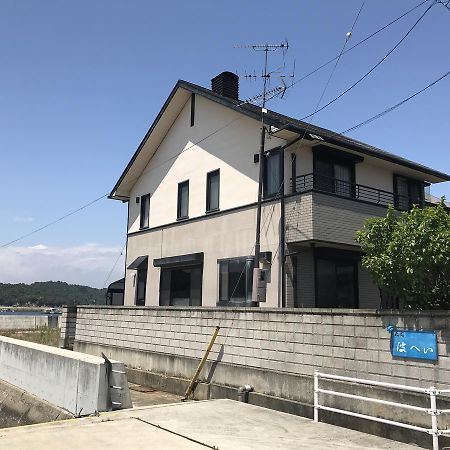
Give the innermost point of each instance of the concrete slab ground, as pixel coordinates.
(220, 424)
(146, 396)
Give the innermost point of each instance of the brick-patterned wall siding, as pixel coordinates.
(336, 219)
(299, 225)
(326, 218)
(347, 342)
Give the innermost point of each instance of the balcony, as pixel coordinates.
(328, 210)
(321, 183)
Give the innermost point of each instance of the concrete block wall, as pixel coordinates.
(68, 321)
(289, 341)
(23, 322)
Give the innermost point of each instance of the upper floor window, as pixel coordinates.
(183, 200)
(212, 191)
(145, 211)
(334, 175)
(272, 181)
(408, 192)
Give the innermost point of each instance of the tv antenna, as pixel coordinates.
(266, 75)
(266, 95)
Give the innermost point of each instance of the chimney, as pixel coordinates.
(226, 84)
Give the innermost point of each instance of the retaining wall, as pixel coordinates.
(18, 407)
(73, 381)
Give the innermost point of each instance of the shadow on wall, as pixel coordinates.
(215, 364)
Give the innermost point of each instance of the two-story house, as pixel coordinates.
(192, 189)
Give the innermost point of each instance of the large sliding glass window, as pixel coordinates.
(334, 176)
(235, 281)
(181, 286)
(272, 173)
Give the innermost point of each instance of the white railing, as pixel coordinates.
(433, 411)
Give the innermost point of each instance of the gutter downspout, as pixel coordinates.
(283, 222)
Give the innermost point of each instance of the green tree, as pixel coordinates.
(408, 254)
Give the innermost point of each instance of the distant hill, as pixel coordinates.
(50, 293)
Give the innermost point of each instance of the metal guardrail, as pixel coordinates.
(433, 411)
(322, 183)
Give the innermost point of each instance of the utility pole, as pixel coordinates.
(266, 48)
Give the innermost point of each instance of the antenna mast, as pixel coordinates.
(266, 48)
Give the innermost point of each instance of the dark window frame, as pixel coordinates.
(248, 261)
(209, 176)
(274, 152)
(179, 206)
(333, 160)
(171, 270)
(138, 301)
(142, 219)
(192, 110)
(411, 201)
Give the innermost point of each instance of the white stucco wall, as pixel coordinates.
(221, 236)
(230, 150)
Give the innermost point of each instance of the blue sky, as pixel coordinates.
(81, 82)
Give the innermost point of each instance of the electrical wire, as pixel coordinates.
(65, 216)
(114, 266)
(391, 108)
(238, 118)
(317, 69)
(373, 68)
(445, 4)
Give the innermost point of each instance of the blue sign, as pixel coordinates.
(413, 344)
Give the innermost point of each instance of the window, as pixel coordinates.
(336, 176)
(212, 190)
(192, 110)
(145, 211)
(183, 200)
(336, 279)
(181, 286)
(141, 286)
(408, 192)
(235, 281)
(272, 173)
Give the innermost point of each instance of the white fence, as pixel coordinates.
(433, 411)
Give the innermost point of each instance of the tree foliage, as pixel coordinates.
(49, 293)
(408, 254)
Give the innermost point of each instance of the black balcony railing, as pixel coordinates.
(341, 188)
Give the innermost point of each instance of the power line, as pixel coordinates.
(445, 4)
(337, 61)
(317, 69)
(238, 118)
(114, 266)
(388, 110)
(373, 68)
(71, 213)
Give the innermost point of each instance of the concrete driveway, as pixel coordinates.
(219, 424)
